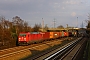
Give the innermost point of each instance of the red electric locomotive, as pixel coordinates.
(31, 37)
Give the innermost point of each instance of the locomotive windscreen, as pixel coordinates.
(22, 35)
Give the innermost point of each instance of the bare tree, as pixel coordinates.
(27, 28)
(18, 23)
(5, 32)
(36, 28)
(88, 21)
(10, 30)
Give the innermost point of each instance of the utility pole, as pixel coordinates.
(82, 25)
(67, 30)
(67, 27)
(54, 22)
(77, 22)
(42, 24)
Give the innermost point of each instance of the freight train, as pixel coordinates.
(34, 37)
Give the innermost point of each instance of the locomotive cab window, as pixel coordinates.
(23, 35)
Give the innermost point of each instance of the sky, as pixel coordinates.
(63, 12)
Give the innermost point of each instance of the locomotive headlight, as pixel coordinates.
(19, 38)
(55, 34)
(25, 39)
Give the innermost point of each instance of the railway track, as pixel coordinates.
(69, 51)
(23, 50)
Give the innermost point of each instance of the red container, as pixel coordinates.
(45, 35)
(66, 34)
(60, 34)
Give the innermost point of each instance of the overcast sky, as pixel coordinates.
(62, 11)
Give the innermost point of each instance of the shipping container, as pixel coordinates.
(62, 34)
(45, 35)
(54, 34)
(66, 34)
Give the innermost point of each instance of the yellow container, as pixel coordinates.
(54, 34)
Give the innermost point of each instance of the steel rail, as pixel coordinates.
(63, 50)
